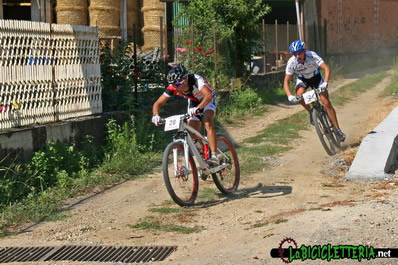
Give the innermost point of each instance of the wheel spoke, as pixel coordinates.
(181, 180)
(227, 179)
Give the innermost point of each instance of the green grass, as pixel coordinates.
(258, 225)
(273, 140)
(348, 92)
(392, 89)
(166, 210)
(329, 185)
(165, 228)
(283, 131)
(280, 221)
(208, 194)
(87, 229)
(57, 217)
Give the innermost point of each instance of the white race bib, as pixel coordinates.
(309, 97)
(172, 123)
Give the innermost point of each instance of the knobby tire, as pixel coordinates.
(227, 180)
(182, 188)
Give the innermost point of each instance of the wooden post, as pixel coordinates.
(166, 43)
(161, 36)
(123, 19)
(48, 12)
(135, 63)
(1, 9)
(43, 10)
(287, 35)
(215, 56)
(325, 38)
(192, 44)
(302, 24)
(264, 47)
(276, 43)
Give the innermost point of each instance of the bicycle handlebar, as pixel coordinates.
(185, 117)
(317, 90)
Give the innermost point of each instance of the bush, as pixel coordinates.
(130, 146)
(240, 101)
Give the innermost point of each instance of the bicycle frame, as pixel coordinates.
(189, 144)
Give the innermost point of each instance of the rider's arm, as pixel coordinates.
(327, 70)
(207, 97)
(286, 82)
(158, 104)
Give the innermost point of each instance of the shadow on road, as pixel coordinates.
(258, 191)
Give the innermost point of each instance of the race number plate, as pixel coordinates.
(309, 97)
(172, 123)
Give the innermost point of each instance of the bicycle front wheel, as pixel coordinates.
(181, 180)
(324, 129)
(227, 180)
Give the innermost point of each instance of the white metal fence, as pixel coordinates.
(48, 72)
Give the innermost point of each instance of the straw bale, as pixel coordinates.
(151, 28)
(104, 16)
(74, 16)
(72, 12)
(109, 31)
(152, 10)
(152, 21)
(80, 3)
(152, 3)
(108, 3)
(151, 38)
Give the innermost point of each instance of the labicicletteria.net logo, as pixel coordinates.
(289, 251)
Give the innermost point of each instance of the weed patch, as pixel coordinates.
(165, 228)
(166, 210)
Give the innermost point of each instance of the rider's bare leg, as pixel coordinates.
(329, 108)
(208, 117)
(300, 90)
(196, 125)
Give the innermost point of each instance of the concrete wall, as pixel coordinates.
(18, 145)
(357, 26)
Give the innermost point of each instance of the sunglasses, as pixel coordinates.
(179, 83)
(297, 53)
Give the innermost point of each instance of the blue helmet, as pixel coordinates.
(297, 45)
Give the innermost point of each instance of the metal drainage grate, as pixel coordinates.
(85, 253)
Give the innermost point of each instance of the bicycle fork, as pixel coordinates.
(185, 168)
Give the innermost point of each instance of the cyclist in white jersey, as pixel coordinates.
(306, 65)
(201, 98)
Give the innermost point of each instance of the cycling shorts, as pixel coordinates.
(314, 81)
(211, 106)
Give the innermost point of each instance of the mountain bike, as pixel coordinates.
(180, 172)
(323, 125)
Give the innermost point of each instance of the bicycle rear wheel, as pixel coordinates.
(227, 180)
(181, 182)
(324, 129)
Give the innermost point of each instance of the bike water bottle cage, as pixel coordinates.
(297, 46)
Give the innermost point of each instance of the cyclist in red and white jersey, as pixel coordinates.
(307, 65)
(201, 98)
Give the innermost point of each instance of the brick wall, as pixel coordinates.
(355, 26)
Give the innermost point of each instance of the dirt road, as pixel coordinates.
(297, 198)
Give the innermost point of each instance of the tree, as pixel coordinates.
(236, 24)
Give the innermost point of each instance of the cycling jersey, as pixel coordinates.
(309, 69)
(195, 84)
